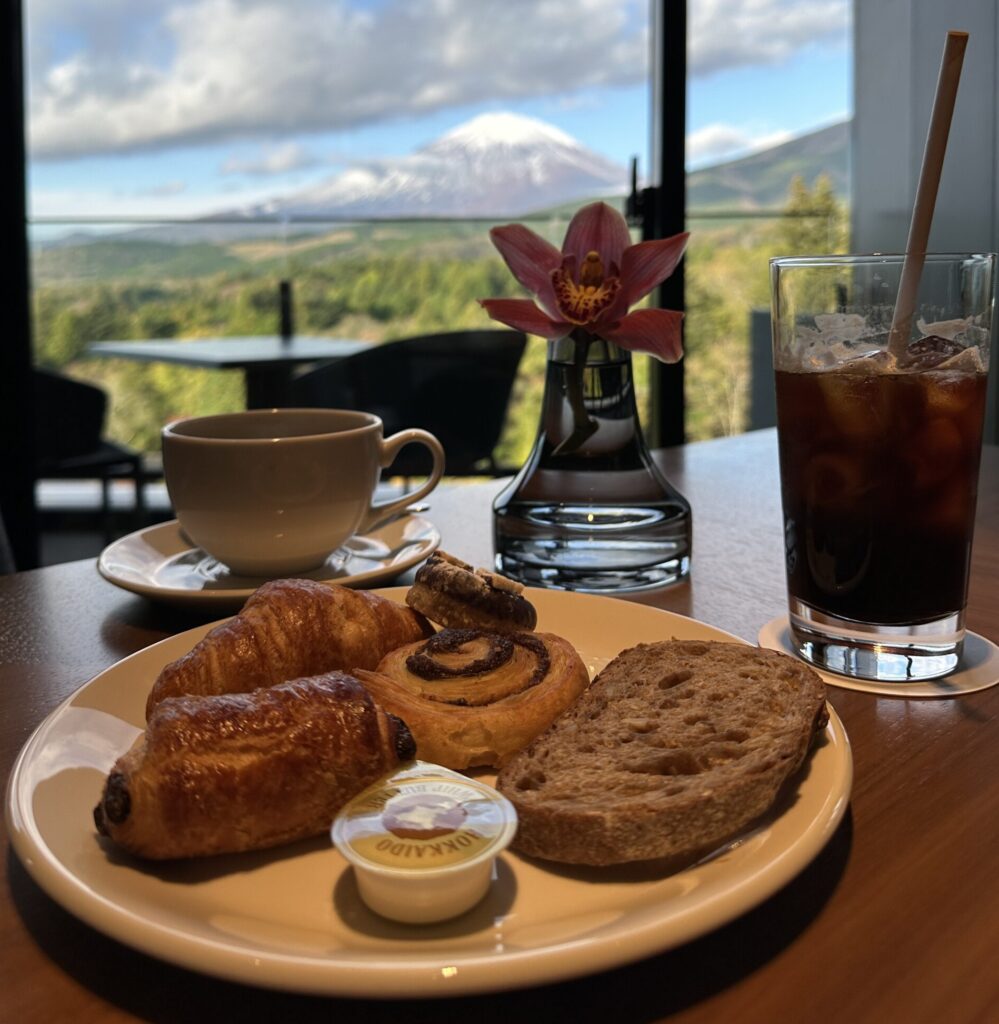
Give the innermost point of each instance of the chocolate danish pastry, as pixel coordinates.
(233, 772)
(473, 697)
(450, 592)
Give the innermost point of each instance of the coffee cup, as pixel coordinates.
(274, 492)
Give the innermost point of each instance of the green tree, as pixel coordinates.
(813, 221)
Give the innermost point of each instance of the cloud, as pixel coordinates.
(278, 160)
(205, 70)
(116, 76)
(163, 190)
(727, 34)
(716, 142)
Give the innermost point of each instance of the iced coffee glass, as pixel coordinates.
(880, 441)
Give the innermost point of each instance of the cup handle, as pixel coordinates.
(380, 513)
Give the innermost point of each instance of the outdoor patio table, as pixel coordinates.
(267, 362)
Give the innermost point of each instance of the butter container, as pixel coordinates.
(423, 840)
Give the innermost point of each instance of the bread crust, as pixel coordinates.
(477, 719)
(233, 772)
(676, 748)
(290, 629)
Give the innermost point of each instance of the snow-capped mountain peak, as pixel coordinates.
(495, 165)
(504, 129)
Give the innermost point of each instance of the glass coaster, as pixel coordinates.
(979, 667)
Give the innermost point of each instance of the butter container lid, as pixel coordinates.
(423, 840)
(424, 818)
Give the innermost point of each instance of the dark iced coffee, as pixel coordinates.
(879, 462)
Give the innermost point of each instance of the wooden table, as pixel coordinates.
(267, 362)
(896, 920)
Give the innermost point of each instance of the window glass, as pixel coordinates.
(186, 156)
(769, 106)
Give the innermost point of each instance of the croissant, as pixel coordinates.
(290, 629)
(472, 697)
(223, 774)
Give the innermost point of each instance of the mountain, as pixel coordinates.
(496, 165)
(760, 180)
(508, 165)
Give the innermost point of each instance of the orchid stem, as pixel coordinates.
(583, 426)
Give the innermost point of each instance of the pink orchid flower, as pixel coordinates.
(591, 283)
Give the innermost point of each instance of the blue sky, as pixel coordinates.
(181, 107)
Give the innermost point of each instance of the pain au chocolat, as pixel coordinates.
(246, 771)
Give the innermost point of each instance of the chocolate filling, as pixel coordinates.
(464, 586)
(405, 742)
(117, 802)
(500, 651)
(447, 641)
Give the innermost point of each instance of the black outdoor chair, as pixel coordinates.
(69, 441)
(457, 385)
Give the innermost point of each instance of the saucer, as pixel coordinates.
(979, 667)
(160, 563)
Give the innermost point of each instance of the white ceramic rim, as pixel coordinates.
(123, 563)
(363, 421)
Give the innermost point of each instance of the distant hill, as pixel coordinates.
(104, 257)
(183, 251)
(760, 180)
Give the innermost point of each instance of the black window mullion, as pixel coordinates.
(664, 208)
(17, 501)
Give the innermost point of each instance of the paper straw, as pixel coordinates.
(926, 191)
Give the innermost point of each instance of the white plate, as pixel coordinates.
(291, 918)
(159, 562)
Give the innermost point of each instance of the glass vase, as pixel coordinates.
(590, 510)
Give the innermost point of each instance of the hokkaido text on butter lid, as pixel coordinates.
(424, 818)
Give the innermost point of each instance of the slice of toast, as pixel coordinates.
(675, 748)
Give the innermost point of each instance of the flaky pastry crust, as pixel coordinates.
(290, 629)
(464, 720)
(235, 772)
(457, 596)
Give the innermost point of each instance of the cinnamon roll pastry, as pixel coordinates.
(290, 629)
(450, 592)
(223, 774)
(473, 697)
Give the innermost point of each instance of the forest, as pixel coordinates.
(380, 282)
